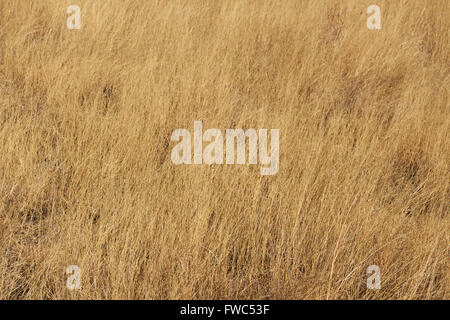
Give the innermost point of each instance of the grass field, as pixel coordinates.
(86, 176)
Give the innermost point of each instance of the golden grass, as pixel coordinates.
(86, 176)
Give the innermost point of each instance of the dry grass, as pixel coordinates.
(85, 170)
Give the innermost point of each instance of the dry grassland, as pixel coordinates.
(86, 176)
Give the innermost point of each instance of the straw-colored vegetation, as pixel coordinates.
(86, 176)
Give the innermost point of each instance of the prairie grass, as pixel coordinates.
(85, 171)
